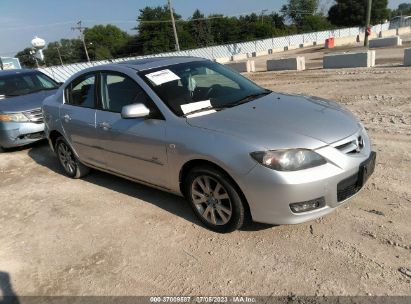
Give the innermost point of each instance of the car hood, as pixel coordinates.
(24, 102)
(281, 121)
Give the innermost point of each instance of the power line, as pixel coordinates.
(133, 21)
(81, 28)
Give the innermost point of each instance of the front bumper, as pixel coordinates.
(14, 134)
(270, 193)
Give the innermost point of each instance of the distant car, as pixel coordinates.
(21, 97)
(198, 129)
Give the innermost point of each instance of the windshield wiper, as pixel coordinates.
(203, 109)
(249, 98)
(241, 101)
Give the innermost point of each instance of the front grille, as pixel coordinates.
(347, 187)
(351, 147)
(347, 147)
(35, 115)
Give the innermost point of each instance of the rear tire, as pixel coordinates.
(215, 199)
(69, 162)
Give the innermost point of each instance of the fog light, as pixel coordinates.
(307, 205)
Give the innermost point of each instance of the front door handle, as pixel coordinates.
(67, 117)
(105, 126)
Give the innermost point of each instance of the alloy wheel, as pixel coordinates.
(66, 158)
(211, 200)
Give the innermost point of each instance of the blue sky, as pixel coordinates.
(51, 20)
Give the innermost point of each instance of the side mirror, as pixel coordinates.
(135, 110)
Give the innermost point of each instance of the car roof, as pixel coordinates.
(17, 72)
(156, 62)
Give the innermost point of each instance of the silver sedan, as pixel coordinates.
(195, 128)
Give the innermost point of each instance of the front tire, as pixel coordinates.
(215, 199)
(71, 165)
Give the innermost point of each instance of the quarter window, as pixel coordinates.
(81, 92)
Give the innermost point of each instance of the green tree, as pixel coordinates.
(314, 23)
(26, 59)
(200, 30)
(71, 51)
(276, 20)
(105, 41)
(404, 9)
(253, 27)
(51, 56)
(296, 10)
(155, 32)
(353, 12)
(224, 29)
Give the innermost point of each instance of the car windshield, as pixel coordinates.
(191, 87)
(25, 83)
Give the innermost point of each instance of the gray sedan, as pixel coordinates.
(195, 128)
(21, 96)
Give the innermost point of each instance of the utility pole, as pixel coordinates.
(58, 51)
(174, 26)
(81, 30)
(367, 23)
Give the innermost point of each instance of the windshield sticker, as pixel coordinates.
(162, 76)
(190, 107)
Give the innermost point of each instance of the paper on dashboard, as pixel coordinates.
(163, 76)
(190, 107)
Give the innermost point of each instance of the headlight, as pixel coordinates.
(15, 117)
(289, 160)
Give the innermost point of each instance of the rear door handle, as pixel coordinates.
(67, 117)
(104, 125)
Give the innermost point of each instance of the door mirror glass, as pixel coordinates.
(136, 110)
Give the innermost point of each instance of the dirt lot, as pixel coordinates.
(107, 236)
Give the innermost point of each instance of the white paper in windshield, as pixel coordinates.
(162, 76)
(190, 107)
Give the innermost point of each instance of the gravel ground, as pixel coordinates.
(107, 236)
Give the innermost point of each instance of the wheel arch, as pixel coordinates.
(185, 169)
(53, 135)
